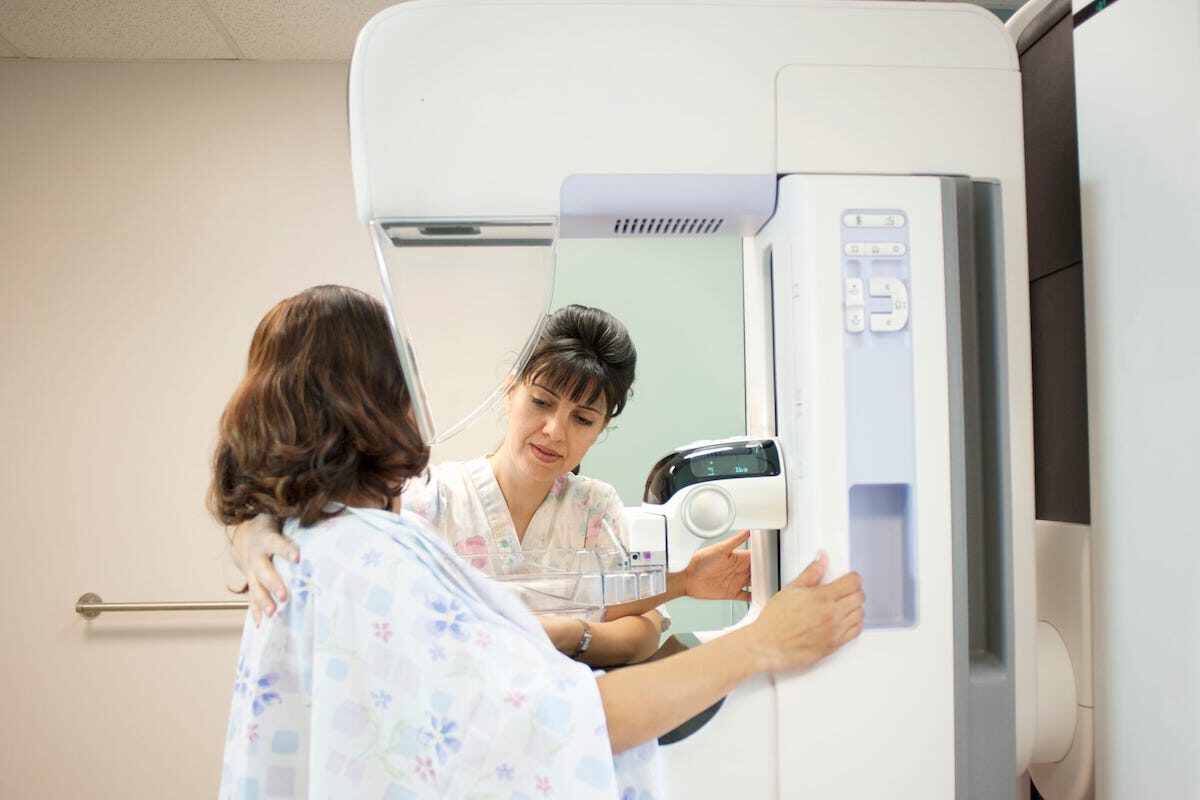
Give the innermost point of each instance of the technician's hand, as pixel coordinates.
(805, 622)
(720, 571)
(253, 543)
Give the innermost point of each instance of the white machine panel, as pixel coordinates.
(901, 669)
(651, 89)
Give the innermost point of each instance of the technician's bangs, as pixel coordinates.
(575, 376)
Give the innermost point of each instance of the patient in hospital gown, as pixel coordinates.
(396, 671)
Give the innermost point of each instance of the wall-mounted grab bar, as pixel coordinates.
(91, 605)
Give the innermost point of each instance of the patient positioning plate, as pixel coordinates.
(578, 582)
(466, 293)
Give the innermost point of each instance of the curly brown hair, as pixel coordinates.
(323, 414)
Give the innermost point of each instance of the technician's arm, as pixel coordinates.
(252, 544)
(676, 587)
(804, 622)
(622, 641)
(717, 572)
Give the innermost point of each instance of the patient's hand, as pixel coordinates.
(807, 620)
(252, 544)
(720, 571)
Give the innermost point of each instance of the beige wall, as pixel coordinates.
(149, 215)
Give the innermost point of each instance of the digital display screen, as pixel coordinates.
(728, 465)
(711, 461)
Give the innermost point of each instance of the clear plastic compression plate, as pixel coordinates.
(466, 301)
(574, 582)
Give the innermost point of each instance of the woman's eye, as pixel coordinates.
(539, 402)
(587, 423)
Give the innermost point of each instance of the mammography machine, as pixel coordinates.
(870, 157)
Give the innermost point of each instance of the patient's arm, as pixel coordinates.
(804, 622)
(623, 641)
(252, 545)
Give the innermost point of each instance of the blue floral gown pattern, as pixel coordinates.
(396, 671)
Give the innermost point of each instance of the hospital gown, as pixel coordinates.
(393, 671)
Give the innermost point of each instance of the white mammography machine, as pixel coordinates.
(870, 156)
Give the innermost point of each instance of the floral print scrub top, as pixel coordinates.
(462, 501)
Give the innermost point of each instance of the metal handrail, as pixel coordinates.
(90, 605)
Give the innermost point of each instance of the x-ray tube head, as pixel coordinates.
(463, 292)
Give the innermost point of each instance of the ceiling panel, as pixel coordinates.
(114, 29)
(268, 30)
(301, 30)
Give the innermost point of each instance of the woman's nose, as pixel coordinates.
(554, 427)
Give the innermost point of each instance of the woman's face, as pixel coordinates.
(548, 435)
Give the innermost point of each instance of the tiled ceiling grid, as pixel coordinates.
(151, 30)
(154, 30)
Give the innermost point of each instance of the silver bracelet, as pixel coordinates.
(585, 641)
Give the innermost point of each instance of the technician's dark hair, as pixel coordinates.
(322, 415)
(586, 355)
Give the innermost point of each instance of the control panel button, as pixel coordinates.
(873, 220)
(854, 292)
(856, 319)
(876, 249)
(897, 293)
(708, 511)
(885, 323)
(886, 287)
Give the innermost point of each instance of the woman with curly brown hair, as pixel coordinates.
(394, 669)
(321, 415)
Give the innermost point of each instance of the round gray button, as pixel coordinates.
(708, 512)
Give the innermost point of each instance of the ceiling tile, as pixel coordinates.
(271, 30)
(298, 30)
(114, 29)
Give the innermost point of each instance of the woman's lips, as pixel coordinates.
(546, 456)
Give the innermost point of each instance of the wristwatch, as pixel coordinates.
(585, 641)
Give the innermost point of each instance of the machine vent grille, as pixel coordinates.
(666, 226)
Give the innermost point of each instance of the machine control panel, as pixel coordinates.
(876, 288)
(875, 259)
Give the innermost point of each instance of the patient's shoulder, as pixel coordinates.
(348, 535)
(356, 544)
